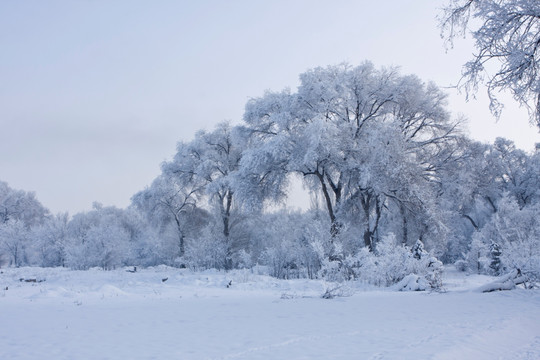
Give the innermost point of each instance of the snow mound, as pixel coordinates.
(58, 292)
(108, 290)
(412, 282)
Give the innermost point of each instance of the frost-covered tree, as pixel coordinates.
(19, 211)
(514, 172)
(288, 241)
(507, 40)
(20, 205)
(50, 240)
(472, 189)
(418, 251)
(495, 255)
(362, 137)
(14, 243)
(103, 237)
(210, 160)
(170, 205)
(516, 231)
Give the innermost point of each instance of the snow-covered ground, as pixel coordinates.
(120, 315)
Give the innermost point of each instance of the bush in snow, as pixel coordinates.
(510, 240)
(477, 258)
(495, 255)
(434, 273)
(209, 251)
(418, 251)
(412, 282)
(333, 267)
(287, 239)
(461, 265)
(393, 263)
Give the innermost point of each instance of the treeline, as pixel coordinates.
(387, 169)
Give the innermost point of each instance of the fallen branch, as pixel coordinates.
(505, 282)
(30, 280)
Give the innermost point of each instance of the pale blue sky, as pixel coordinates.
(94, 95)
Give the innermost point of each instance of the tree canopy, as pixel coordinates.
(507, 40)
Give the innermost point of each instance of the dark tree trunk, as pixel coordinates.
(181, 245)
(368, 239)
(334, 227)
(370, 201)
(226, 215)
(404, 227)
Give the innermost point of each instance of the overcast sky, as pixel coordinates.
(94, 95)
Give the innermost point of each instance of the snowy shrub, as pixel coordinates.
(149, 249)
(418, 251)
(393, 261)
(495, 257)
(244, 260)
(332, 270)
(209, 251)
(510, 240)
(434, 273)
(477, 257)
(331, 266)
(334, 265)
(461, 265)
(412, 282)
(388, 264)
(282, 259)
(286, 241)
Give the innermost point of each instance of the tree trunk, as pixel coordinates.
(334, 227)
(181, 245)
(404, 227)
(368, 239)
(226, 215)
(368, 200)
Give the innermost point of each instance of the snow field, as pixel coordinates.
(119, 315)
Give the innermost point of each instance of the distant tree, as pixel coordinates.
(472, 189)
(171, 203)
(507, 36)
(288, 240)
(20, 205)
(516, 232)
(50, 240)
(14, 242)
(19, 211)
(209, 161)
(97, 238)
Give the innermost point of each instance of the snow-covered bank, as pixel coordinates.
(120, 315)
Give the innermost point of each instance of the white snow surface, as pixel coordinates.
(98, 314)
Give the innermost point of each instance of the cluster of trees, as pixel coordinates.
(384, 163)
